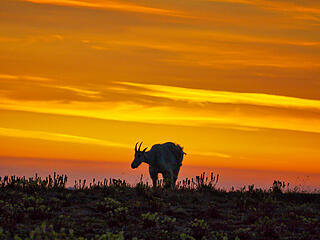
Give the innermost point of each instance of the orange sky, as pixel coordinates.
(236, 82)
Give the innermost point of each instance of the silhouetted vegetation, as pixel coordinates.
(36, 208)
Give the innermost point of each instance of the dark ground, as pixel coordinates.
(45, 209)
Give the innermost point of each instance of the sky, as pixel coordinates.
(235, 82)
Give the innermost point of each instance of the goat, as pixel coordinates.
(163, 158)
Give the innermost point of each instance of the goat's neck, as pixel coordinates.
(147, 158)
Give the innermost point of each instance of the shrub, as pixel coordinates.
(150, 219)
(108, 204)
(198, 228)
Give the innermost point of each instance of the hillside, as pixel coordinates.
(38, 208)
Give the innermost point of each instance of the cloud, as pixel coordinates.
(213, 49)
(112, 5)
(168, 105)
(212, 154)
(9, 39)
(279, 5)
(25, 77)
(60, 137)
(34, 38)
(81, 91)
(204, 96)
(189, 115)
(43, 88)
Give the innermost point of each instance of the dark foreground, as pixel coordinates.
(45, 209)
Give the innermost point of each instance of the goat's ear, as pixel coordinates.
(144, 149)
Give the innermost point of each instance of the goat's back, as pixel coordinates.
(171, 147)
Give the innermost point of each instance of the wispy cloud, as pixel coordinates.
(203, 96)
(25, 77)
(219, 53)
(211, 154)
(83, 92)
(189, 115)
(9, 39)
(55, 88)
(112, 5)
(283, 6)
(60, 137)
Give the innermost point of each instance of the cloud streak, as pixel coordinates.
(203, 96)
(163, 104)
(24, 87)
(68, 138)
(112, 5)
(60, 137)
(212, 154)
(283, 6)
(80, 91)
(173, 115)
(25, 77)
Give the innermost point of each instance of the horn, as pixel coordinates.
(135, 148)
(144, 149)
(140, 146)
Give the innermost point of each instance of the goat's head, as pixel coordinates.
(138, 156)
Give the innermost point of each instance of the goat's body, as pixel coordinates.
(166, 159)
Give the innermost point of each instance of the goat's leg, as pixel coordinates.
(154, 177)
(168, 178)
(175, 177)
(174, 181)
